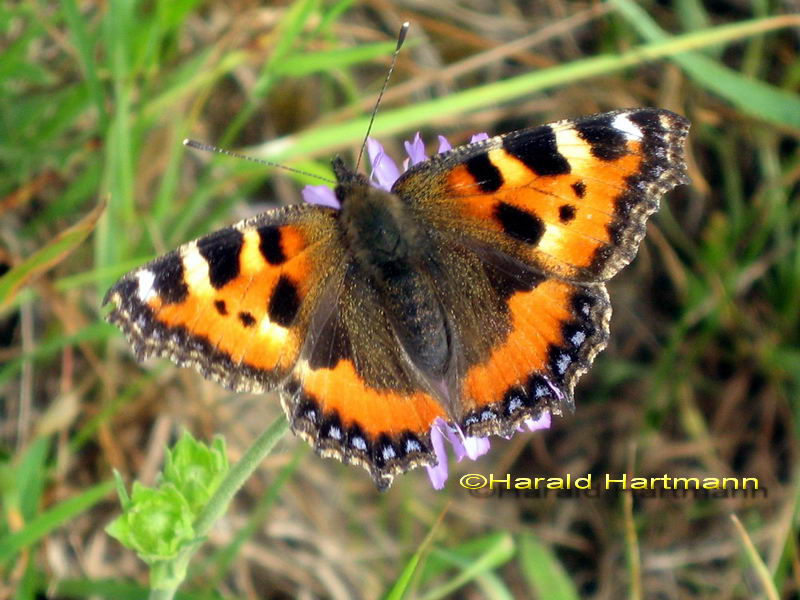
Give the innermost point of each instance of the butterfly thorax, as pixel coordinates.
(389, 247)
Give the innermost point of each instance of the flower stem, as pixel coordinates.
(238, 474)
(219, 501)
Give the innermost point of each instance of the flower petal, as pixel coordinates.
(320, 194)
(543, 422)
(438, 472)
(444, 145)
(416, 150)
(479, 137)
(384, 169)
(476, 447)
(456, 439)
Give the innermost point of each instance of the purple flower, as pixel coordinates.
(384, 170)
(320, 194)
(472, 447)
(384, 173)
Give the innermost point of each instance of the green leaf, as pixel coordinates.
(544, 573)
(196, 469)
(157, 523)
(118, 589)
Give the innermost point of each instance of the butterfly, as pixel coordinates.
(470, 292)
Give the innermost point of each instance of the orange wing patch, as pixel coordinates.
(343, 391)
(555, 331)
(385, 431)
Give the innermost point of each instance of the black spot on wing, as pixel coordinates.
(579, 187)
(538, 151)
(221, 307)
(221, 250)
(519, 224)
(270, 245)
(284, 303)
(606, 142)
(486, 174)
(168, 280)
(247, 319)
(566, 213)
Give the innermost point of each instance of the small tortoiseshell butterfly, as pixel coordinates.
(472, 291)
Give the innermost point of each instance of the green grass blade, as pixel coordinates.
(31, 475)
(118, 590)
(76, 23)
(48, 256)
(327, 138)
(119, 178)
(94, 332)
(544, 573)
(403, 583)
(474, 559)
(301, 65)
(54, 517)
(756, 562)
(290, 28)
(751, 96)
(224, 558)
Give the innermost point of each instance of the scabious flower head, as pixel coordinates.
(384, 173)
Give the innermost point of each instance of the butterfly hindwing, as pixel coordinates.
(354, 395)
(554, 330)
(520, 339)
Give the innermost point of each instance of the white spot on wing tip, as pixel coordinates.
(147, 280)
(622, 123)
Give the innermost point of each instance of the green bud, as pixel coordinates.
(196, 469)
(157, 523)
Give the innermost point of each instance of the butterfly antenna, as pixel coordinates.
(401, 37)
(209, 148)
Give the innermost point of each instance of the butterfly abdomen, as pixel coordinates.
(391, 249)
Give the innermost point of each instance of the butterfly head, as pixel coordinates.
(349, 183)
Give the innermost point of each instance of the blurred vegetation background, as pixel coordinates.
(701, 377)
